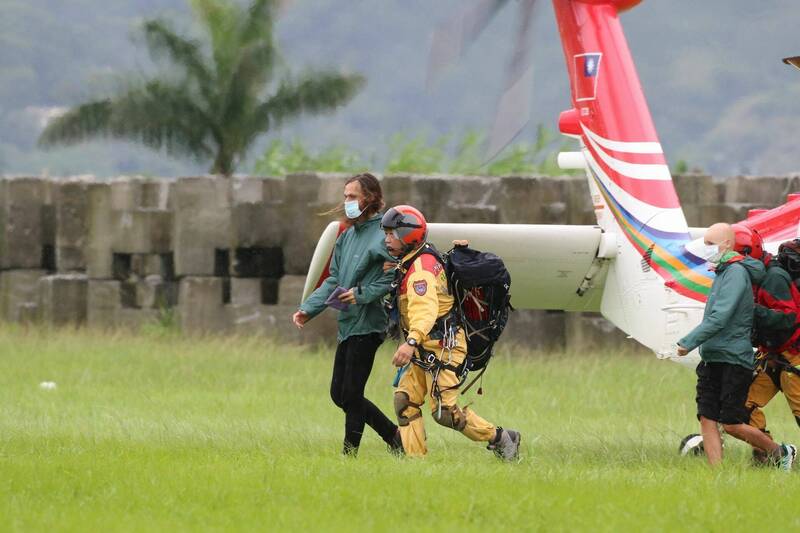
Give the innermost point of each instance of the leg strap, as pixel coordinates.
(401, 404)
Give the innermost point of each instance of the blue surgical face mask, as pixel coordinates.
(351, 209)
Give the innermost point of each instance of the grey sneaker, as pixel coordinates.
(506, 447)
(788, 454)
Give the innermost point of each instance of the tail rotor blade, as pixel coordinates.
(451, 38)
(793, 61)
(513, 109)
(512, 115)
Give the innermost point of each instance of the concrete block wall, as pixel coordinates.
(229, 256)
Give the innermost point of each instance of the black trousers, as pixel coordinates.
(351, 369)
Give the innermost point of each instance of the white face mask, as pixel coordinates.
(717, 255)
(707, 252)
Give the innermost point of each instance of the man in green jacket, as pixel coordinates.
(726, 368)
(357, 266)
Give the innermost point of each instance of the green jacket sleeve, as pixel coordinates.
(377, 289)
(315, 303)
(732, 287)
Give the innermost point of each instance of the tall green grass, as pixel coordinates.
(157, 432)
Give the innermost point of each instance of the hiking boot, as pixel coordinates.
(396, 444)
(788, 454)
(506, 444)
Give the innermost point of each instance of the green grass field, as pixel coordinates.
(156, 432)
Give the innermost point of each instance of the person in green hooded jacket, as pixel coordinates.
(726, 367)
(357, 265)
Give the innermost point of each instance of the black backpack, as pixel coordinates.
(480, 285)
(789, 258)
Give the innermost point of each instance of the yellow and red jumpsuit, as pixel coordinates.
(423, 297)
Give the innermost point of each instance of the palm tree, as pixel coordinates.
(218, 96)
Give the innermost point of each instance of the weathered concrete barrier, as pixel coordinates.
(22, 232)
(217, 255)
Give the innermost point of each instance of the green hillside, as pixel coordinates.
(720, 97)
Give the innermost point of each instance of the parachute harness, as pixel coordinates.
(449, 332)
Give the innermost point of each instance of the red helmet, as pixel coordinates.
(747, 241)
(407, 224)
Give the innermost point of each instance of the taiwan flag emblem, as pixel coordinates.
(587, 70)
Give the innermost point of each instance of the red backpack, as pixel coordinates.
(777, 341)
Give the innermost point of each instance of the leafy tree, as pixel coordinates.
(219, 95)
(421, 155)
(416, 154)
(281, 158)
(539, 157)
(681, 167)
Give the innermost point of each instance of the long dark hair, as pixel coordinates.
(373, 196)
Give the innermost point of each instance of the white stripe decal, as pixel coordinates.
(628, 147)
(633, 170)
(663, 219)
